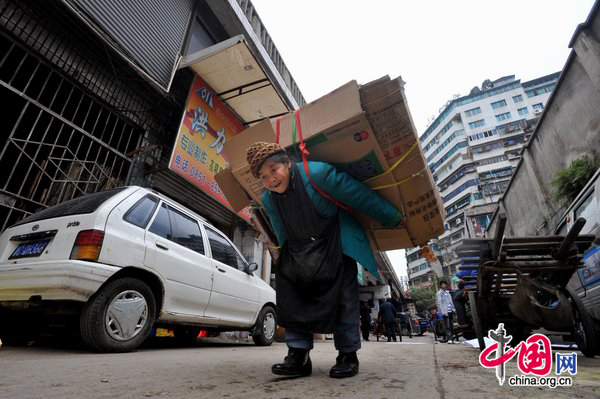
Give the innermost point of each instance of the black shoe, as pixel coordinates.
(346, 365)
(296, 364)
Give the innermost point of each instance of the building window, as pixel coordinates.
(477, 124)
(517, 99)
(457, 236)
(474, 111)
(440, 147)
(503, 117)
(538, 106)
(479, 136)
(540, 90)
(510, 127)
(499, 104)
(523, 111)
(489, 161)
(487, 147)
(457, 147)
(460, 189)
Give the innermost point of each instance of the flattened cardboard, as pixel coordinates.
(236, 152)
(235, 194)
(389, 239)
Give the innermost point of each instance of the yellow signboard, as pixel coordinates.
(198, 155)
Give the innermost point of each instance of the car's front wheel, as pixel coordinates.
(119, 316)
(266, 323)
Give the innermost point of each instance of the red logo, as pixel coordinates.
(535, 355)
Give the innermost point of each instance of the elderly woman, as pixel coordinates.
(317, 287)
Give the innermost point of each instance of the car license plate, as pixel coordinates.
(29, 249)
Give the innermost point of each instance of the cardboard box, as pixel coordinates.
(387, 111)
(362, 131)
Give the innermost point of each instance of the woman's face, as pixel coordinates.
(275, 176)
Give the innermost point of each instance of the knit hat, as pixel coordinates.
(257, 153)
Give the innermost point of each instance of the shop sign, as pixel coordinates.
(198, 154)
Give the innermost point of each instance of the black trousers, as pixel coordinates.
(449, 322)
(390, 330)
(365, 326)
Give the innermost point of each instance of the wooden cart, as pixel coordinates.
(522, 282)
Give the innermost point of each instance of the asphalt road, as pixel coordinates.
(416, 368)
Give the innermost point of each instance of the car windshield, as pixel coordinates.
(86, 204)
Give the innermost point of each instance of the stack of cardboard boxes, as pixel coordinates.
(366, 131)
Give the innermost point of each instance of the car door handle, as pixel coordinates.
(162, 245)
(221, 270)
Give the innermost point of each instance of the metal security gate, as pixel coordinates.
(59, 142)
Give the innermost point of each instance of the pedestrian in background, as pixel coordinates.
(365, 319)
(387, 312)
(443, 301)
(317, 287)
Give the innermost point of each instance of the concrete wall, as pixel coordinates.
(569, 128)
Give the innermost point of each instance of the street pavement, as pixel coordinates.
(416, 368)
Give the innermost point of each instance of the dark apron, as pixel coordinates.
(309, 273)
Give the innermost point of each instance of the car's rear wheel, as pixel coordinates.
(119, 316)
(264, 330)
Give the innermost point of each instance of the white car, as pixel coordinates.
(127, 258)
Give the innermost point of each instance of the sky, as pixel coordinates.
(439, 48)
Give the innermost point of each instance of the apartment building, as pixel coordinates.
(472, 149)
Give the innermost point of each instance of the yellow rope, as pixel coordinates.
(395, 184)
(395, 165)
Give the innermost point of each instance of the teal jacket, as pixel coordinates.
(345, 189)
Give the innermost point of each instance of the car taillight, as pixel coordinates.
(87, 245)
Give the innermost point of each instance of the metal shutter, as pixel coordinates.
(151, 33)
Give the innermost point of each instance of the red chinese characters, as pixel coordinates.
(535, 355)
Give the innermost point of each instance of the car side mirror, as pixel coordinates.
(251, 267)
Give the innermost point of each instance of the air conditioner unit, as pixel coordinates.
(538, 111)
(458, 221)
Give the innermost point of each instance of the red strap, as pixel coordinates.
(305, 153)
(277, 129)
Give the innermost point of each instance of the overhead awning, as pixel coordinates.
(235, 74)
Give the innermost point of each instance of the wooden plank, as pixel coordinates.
(582, 238)
(498, 235)
(522, 252)
(470, 253)
(476, 240)
(468, 267)
(552, 246)
(565, 246)
(543, 263)
(535, 269)
(498, 283)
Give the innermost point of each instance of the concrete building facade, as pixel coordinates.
(568, 129)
